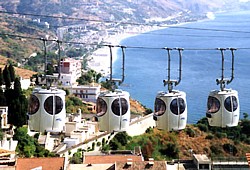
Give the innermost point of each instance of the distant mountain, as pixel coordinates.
(133, 10)
(71, 12)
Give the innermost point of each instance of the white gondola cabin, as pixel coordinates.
(113, 107)
(170, 108)
(47, 110)
(223, 108)
(113, 111)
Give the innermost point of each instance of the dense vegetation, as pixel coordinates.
(74, 103)
(13, 97)
(90, 77)
(218, 143)
(28, 146)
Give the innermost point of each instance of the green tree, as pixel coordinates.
(108, 85)
(12, 72)
(245, 124)
(122, 138)
(89, 77)
(171, 150)
(6, 76)
(2, 98)
(1, 77)
(245, 115)
(119, 141)
(1, 134)
(17, 87)
(17, 104)
(114, 144)
(50, 69)
(26, 146)
(77, 158)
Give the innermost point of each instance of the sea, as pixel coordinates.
(146, 62)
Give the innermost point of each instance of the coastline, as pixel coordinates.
(99, 60)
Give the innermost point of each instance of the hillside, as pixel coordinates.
(24, 73)
(104, 8)
(47, 16)
(230, 143)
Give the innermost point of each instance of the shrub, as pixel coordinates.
(247, 141)
(190, 132)
(103, 141)
(215, 149)
(220, 135)
(114, 144)
(171, 150)
(210, 137)
(98, 144)
(229, 148)
(122, 138)
(202, 127)
(149, 130)
(148, 111)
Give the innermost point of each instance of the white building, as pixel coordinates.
(70, 70)
(9, 146)
(202, 162)
(88, 93)
(25, 83)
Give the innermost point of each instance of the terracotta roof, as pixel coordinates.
(156, 165)
(109, 159)
(56, 163)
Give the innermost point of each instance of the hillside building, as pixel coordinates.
(87, 93)
(70, 71)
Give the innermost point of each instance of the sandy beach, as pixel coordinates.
(100, 59)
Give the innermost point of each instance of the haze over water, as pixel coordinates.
(147, 68)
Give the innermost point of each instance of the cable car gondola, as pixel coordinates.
(223, 107)
(113, 107)
(47, 110)
(170, 108)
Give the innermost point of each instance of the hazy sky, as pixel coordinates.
(244, 0)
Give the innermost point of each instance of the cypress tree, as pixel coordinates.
(6, 77)
(12, 72)
(1, 77)
(17, 87)
(50, 69)
(17, 104)
(2, 98)
(10, 100)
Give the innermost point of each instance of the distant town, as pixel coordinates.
(55, 139)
